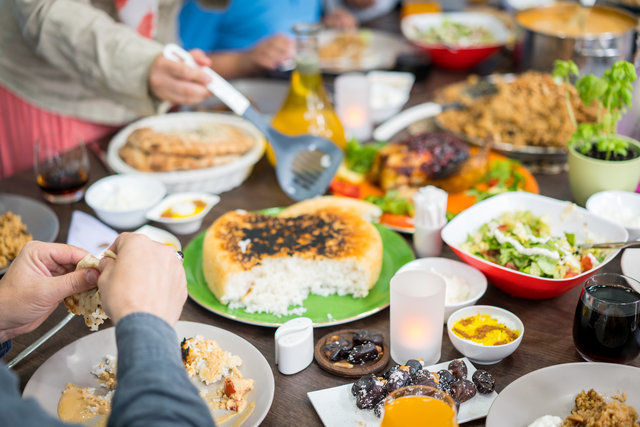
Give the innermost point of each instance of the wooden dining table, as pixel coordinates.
(548, 323)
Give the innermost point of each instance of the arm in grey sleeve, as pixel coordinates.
(92, 48)
(153, 387)
(16, 411)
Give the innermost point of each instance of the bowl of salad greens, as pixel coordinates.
(526, 244)
(458, 40)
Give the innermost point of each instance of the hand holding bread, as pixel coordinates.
(39, 278)
(146, 277)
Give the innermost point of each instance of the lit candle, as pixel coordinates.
(352, 105)
(416, 313)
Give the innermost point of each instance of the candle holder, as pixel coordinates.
(416, 312)
(352, 105)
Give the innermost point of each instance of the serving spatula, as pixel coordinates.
(305, 164)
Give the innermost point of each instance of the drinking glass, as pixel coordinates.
(606, 326)
(419, 406)
(61, 175)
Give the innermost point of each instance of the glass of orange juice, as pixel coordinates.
(419, 406)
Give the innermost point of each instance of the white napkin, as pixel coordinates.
(89, 233)
(431, 207)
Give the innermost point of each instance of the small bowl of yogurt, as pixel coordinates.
(620, 207)
(183, 213)
(464, 284)
(122, 201)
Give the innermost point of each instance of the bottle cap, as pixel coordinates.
(294, 345)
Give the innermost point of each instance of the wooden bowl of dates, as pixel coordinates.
(352, 353)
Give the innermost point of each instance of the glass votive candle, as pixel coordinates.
(417, 300)
(352, 105)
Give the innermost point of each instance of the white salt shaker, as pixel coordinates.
(294, 345)
(429, 219)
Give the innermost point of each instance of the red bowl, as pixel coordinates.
(459, 59)
(562, 217)
(455, 57)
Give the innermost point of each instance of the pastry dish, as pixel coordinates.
(207, 145)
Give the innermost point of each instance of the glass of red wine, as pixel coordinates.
(606, 326)
(62, 174)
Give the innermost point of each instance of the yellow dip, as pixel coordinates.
(571, 20)
(484, 330)
(184, 209)
(82, 405)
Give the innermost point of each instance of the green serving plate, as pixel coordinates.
(323, 311)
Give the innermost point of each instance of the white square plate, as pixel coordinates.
(336, 406)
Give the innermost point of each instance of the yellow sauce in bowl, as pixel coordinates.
(184, 209)
(572, 20)
(484, 329)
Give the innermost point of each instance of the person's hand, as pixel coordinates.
(271, 52)
(360, 4)
(146, 276)
(340, 18)
(40, 277)
(177, 82)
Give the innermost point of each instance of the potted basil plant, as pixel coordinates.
(599, 158)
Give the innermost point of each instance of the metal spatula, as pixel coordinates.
(305, 164)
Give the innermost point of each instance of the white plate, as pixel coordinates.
(630, 263)
(74, 362)
(336, 406)
(42, 223)
(216, 179)
(380, 52)
(552, 391)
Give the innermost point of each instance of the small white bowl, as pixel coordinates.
(485, 354)
(122, 201)
(388, 92)
(159, 235)
(448, 267)
(620, 207)
(188, 224)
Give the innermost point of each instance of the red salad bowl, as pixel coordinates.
(561, 216)
(461, 56)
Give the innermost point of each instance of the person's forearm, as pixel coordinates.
(153, 387)
(232, 65)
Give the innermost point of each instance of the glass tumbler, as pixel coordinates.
(61, 175)
(606, 326)
(419, 406)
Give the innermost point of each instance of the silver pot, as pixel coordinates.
(592, 53)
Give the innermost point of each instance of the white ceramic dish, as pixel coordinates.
(122, 201)
(388, 92)
(187, 224)
(475, 279)
(560, 215)
(484, 354)
(215, 179)
(621, 207)
(336, 406)
(42, 223)
(380, 51)
(552, 391)
(159, 235)
(73, 364)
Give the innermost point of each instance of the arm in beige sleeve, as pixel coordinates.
(91, 47)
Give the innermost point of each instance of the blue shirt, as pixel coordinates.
(243, 23)
(162, 396)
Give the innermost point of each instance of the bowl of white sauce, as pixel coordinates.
(620, 207)
(464, 284)
(122, 201)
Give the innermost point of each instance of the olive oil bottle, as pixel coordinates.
(307, 108)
